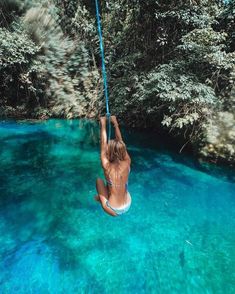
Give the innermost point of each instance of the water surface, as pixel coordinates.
(178, 236)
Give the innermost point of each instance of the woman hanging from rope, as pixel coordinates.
(114, 196)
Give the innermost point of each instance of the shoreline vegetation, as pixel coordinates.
(171, 67)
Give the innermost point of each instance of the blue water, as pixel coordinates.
(178, 237)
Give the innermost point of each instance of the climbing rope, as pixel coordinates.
(103, 68)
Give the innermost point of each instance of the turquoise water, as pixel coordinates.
(178, 237)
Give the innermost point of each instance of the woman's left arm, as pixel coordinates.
(103, 142)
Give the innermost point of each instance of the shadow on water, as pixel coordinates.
(28, 158)
(34, 259)
(143, 146)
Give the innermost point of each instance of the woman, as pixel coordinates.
(114, 197)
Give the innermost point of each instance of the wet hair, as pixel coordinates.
(116, 150)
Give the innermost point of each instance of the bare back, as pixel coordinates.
(116, 175)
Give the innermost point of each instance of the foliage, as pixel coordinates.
(182, 98)
(16, 54)
(9, 11)
(166, 93)
(226, 22)
(16, 48)
(59, 75)
(204, 51)
(165, 81)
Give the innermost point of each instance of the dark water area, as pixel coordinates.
(178, 236)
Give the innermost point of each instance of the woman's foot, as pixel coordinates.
(97, 198)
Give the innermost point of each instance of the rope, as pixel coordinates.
(103, 68)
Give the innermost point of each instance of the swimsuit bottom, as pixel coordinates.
(122, 209)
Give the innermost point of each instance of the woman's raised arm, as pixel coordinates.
(118, 134)
(103, 142)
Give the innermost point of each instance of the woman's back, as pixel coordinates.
(117, 182)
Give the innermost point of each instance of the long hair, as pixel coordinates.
(116, 150)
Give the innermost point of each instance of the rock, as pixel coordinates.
(219, 138)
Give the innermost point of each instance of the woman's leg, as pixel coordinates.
(103, 196)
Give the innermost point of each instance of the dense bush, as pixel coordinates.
(54, 68)
(17, 51)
